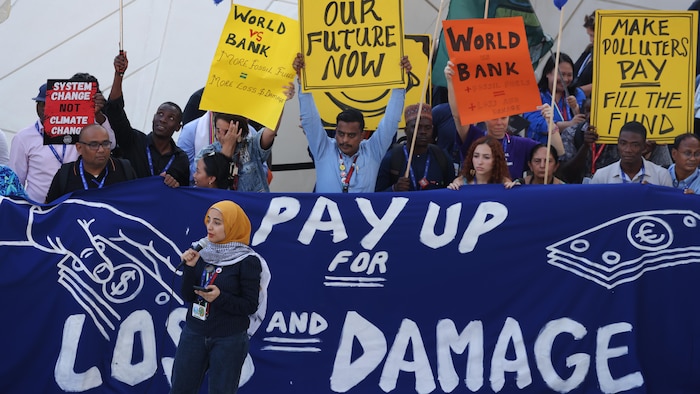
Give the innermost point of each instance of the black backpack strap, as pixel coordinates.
(398, 161)
(129, 172)
(441, 157)
(63, 174)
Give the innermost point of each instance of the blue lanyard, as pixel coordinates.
(425, 171)
(557, 109)
(505, 141)
(150, 162)
(687, 181)
(625, 177)
(63, 156)
(82, 177)
(584, 64)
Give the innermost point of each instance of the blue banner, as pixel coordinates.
(572, 288)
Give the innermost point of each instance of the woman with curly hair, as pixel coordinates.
(485, 163)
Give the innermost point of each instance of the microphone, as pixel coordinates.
(196, 246)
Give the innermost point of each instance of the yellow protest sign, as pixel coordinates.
(493, 70)
(372, 101)
(351, 43)
(644, 70)
(252, 64)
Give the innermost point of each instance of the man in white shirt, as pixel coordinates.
(632, 167)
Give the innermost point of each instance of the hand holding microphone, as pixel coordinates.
(192, 255)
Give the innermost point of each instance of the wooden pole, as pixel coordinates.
(438, 22)
(550, 121)
(121, 25)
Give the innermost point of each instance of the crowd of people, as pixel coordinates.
(228, 151)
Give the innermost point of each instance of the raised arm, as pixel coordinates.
(462, 130)
(268, 134)
(121, 63)
(114, 109)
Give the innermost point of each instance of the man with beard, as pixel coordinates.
(94, 169)
(155, 153)
(430, 168)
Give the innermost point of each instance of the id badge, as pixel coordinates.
(423, 183)
(199, 311)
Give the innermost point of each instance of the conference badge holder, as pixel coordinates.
(199, 310)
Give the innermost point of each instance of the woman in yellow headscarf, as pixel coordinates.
(222, 283)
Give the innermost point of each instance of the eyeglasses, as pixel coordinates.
(97, 145)
(689, 154)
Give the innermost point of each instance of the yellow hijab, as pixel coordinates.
(236, 222)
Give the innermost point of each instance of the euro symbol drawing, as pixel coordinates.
(647, 234)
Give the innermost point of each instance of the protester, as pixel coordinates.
(195, 136)
(430, 168)
(516, 148)
(213, 171)
(567, 103)
(215, 338)
(583, 68)
(36, 163)
(93, 169)
(10, 186)
(685, 174)
(632, 166)
(348, 163)
(538, 165)
(445, 131)
(583, 155)
(485, 163)
(155, 153)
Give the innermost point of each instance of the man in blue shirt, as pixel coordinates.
(686, 156)
(348, 163)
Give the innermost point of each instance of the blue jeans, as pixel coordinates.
(221, 357)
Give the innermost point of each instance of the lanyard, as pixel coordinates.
(584, 64)
(686, 181)
(625, 177)
(82, 177)
(563, 114)
(425, 171)
(505, 141)
(207, 279)
(55, 154)
(207, 275)
(595, 154)
(150, 162)
(345, 177)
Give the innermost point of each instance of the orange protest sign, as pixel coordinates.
(493, 76)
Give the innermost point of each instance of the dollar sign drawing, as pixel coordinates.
(123, 285)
